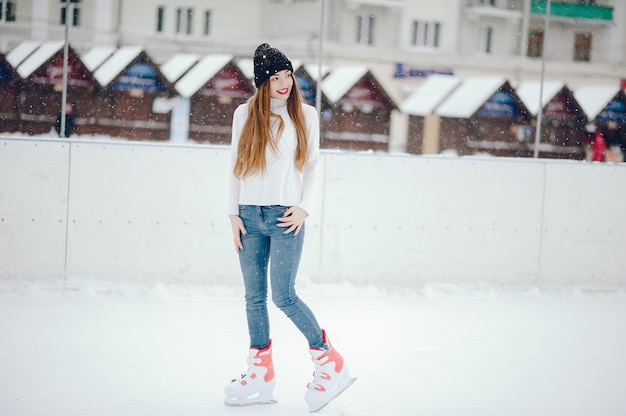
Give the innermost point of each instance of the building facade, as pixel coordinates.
(583, 42)
(586, 33)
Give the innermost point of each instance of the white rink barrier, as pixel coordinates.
(143, 212)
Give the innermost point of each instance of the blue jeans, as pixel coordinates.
(266, 241)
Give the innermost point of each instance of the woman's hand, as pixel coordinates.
(238, 229)
(294, 218)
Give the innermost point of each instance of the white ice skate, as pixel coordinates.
(255, 386)
(331, 377)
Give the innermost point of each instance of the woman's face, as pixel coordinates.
(281, 84)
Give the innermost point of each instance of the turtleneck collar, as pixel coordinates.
(277, 105)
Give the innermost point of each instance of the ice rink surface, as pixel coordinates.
(113, 349)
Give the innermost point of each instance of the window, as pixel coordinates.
(365, 29)
(73, 4)
(582, 46)
(7, 11)
(487, 2)
(207, 22)
(485, 37)
(184, 21)
(189, 26)
(535, 43)
(425, 33)
(160, 17)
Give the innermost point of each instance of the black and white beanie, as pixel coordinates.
(267, 62)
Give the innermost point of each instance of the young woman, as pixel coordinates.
(274, 163)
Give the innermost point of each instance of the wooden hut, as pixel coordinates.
(40, 97)
(10, 87)
(479, 117)
(419, 106)
(133, 88)
(359, 116)
(307, 77)
(605, 107)
(563, 123)
(215, 87)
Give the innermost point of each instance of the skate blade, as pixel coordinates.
(344, 388)
(250, 403)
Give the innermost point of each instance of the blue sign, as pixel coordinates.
(307, 88)
(614, 112)
(501, 104)
(140, 76)
(402, 72)
(5, 74)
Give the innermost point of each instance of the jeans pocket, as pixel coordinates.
(278, 208)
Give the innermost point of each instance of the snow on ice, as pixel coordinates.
(96, 348)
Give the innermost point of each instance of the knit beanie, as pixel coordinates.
(267, 62)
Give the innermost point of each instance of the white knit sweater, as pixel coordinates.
(282, 183)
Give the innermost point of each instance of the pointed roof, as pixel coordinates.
(306, 76)
(470, 96)
(112, 67)
(201, 73)
(425, 99)
(39, 57)
(246, 65)
(175, 67)
(22, 51)
(594, 98)
(528, 92)
(46, 65)
(340, 80)
(314, 70)
(96, 56)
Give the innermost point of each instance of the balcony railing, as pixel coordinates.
(573, 11)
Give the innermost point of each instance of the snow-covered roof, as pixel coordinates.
(247, 67)
(178, 64)
(469, 96)
(296, 64)
(96, 56)
(340, 80)
(528, 92)
(314, 70)
(116, 63)
(21, 52)
(39, 57)
(593, 98)
(425, 99)
(201, 73)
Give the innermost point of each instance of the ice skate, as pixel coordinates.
(331, 377)
(255, 386)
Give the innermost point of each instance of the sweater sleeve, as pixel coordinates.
(239, 117)
(310, 170)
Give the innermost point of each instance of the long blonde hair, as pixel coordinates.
(256, 134)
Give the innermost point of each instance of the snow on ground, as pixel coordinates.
(97, 348)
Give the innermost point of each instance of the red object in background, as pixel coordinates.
(598, 145)
(623, 83)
